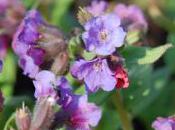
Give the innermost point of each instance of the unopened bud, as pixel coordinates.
(23, 118)
(83, 16)
(43, 115)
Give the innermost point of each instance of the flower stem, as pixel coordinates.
(36, 4)
(123, 114)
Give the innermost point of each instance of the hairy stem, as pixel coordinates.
(123, 114)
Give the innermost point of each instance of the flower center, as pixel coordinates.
(103, 36)
(97, 66)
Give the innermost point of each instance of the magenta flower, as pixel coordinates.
(44, 83)
(96, 74)
(97, 7)
(81, 116)
(131, 16)
(103, 34)
(164, 123)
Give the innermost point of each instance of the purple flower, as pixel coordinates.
(96, 74)
(131, 16)
(103, 34)
(28, 65)
(164, 123)
(44, 83)
(97, 7)
(65, 92)
(48, 85)
(27, 33)
(37, 54)
(40, 44)
(81, 116)
(24, 43)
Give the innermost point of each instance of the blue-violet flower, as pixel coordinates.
(103, 34)
(96, 74)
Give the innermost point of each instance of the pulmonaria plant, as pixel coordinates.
(43, 56)
(164, 123)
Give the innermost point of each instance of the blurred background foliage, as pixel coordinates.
(152, 86)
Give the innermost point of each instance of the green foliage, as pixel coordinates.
(169, 57)
(163, 106)
(143, 55)
(8, 75)
(110, 119)
(60, 15)
(145, 86)
(10, 106)
(75, 47)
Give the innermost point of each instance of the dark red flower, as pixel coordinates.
(121, 76)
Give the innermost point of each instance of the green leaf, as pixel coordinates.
(145, 86)
(132, 37)
(10, 123)
(162, 106)
(143, 55)
(169, 56)
(152, 55)
(60, 15)
(110, 119)
(75, 47)
(8, 75)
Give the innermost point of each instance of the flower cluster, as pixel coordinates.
(164, 123)
(42, 53)
(103, 34)
(76, 113)
(43, 56)
(39, 45)
(132, 17)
